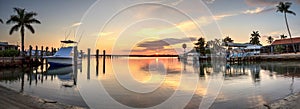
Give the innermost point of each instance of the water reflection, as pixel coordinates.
(44, 82)
(245, 84)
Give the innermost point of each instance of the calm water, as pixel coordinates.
(160, 82)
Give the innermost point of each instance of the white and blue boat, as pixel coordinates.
(64, 56)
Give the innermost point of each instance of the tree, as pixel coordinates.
(283, 36)
(284, 8)
(270, 39)
(200, 46)
(1, 20)
(22, 20)
(255, 38)
(226, 40)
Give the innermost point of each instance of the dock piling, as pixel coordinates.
(103, 61)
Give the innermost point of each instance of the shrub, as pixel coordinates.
(9, 53)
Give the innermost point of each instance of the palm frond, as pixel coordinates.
(30, 15)
(290, 12)
(30, 28)
(1, 21)
(32, 21)
(13, 19)
(14, 28)
(20, 12)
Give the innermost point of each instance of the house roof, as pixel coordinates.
(286, 41)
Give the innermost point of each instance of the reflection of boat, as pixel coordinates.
(64, 74)
(59, 71)
(63, 57)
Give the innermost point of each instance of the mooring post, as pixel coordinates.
(88, 63)
(97, 62)
(52, 51)
(81, 53)
(42, 54)
(30, 54)
(104, 61)
(75, 56)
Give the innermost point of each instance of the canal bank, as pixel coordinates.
(11, 99)
(290, 102)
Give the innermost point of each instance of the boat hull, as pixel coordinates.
(60, 62)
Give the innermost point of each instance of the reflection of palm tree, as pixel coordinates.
(284, 8)
(283, 36)
(22, 19)
(255, 38)
(270, 39)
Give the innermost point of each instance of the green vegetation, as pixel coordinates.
(284, 8)
(21, 20)
(9, 53)
(255, 38)
(279, 48)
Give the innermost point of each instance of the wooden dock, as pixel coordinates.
(272, 57)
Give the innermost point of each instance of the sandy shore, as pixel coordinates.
(289, 102)
(10, 99)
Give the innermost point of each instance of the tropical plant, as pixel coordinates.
(270, 39)
(284, 8)
(283, 36)
(200, 46)
(1, 20)
(22, 19)
(226, 40)
(254, 39)
(279, 48)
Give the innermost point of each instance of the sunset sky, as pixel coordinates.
(148, 26)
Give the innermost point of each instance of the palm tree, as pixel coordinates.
(255, 38)
(283, 36)
(270, 39)
(21, 20)
(200, 46)
(284, 8)
(1, 20)
(226, 40)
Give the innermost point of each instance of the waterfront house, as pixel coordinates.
(285, 46)
(6, 46)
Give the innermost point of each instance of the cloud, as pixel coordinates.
(209, 1)
(160, 45)
(76, 24)
(221, 16)
(105, 33)
(258, 10)
(267, 2)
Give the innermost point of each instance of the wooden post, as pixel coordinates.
(75, 59)
(88, 63)
(42, 54)
(30, 54)
(81, 53)
(46, 51)
(97, 62)
(52, 51)
(104, 61)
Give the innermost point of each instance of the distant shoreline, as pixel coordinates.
(139, 55)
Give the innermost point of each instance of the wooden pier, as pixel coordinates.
(272, 57)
